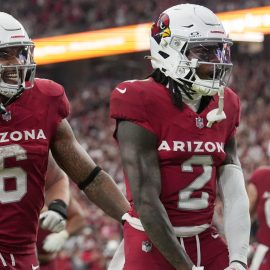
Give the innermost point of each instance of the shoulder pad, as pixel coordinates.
(127, 102)
(49, 87)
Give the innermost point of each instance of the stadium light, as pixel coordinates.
(92, 44)
(247, 20)
(247, 25)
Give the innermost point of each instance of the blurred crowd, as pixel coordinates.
(250, 79)
(93, 248)
(49, 17)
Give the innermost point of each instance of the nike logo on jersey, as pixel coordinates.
(35, 267)
(215, 236)
(122, 91)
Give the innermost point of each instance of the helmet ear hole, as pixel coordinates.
(184, 48)
(163, 54)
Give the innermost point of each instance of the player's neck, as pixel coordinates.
(194, 103)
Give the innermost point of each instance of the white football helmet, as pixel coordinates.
(15, 78)
(179, 30)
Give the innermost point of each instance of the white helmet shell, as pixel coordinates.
(12, 33)
(178, 29)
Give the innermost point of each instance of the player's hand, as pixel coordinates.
(55, 218)
(52, 221)
(235, 266)
(55, 241)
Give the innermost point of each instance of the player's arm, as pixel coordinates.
(236, 207)
(56, 183)
(97, 185)
(57, 196)
(76, 219)
(75, 223)
(253, 196)
(140, 161)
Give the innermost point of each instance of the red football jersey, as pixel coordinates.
(189, 152)
(25, 136)
(41, 236)
(261, 179)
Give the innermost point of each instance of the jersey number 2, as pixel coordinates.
(185, 201)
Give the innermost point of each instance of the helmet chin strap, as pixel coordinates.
(203, 90)
(2, 109)
(218, 114)
(11, 99)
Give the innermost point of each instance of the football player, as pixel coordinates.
(176, 132)
(259, 197)
(57, 225)
(32, 121)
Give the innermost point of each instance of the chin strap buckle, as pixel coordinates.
(2, 109)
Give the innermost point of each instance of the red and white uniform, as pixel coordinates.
(261, 179)
(25, 139)
(188, 151)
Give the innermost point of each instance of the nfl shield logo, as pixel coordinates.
(6, 116)
(146, 246)
(199, 122)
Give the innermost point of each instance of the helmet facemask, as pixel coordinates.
(15, 76)
(204, 67)
(189, 56)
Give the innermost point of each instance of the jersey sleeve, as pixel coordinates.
(235, 113)
(259, 175)
(238, 113)
(64, 106)
(55, 102)
(128, 103)
(255, 178)
(55, 94)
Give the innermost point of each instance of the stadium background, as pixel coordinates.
(88, 84)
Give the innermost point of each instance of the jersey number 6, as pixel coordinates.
(16, 173)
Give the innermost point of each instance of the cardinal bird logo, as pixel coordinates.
(160, 29)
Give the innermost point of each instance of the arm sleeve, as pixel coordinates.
(236, 211)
